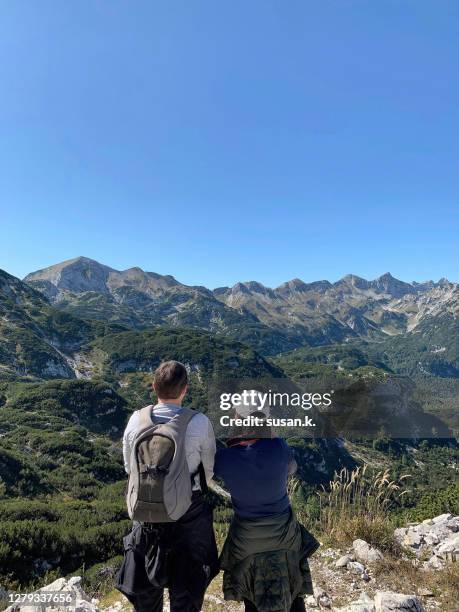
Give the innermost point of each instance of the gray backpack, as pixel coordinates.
(159, 486)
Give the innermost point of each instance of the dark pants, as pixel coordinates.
(180, 556)
(297, 606)
(180, 600)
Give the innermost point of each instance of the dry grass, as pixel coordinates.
(357, 504)
(403, 576)
(113, 597)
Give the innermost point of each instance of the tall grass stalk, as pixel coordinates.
(357, 504)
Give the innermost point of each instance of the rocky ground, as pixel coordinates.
(422, 577)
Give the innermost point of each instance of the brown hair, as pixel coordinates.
(170, 379)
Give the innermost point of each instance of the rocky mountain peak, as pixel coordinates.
(351, 280)
(75, 275)
(240, 288)
(295, 285)
(256, 287)
(392, 286)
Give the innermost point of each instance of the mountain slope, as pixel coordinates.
(139, 299)
(271, 320)
(352, 307)
(34, 337)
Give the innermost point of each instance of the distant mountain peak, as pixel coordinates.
(354, 281)
(391, 285)
(387, 276)
(296, 285)
(293, 285)
(82, 274)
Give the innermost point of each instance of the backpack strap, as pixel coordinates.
(202, 478)
(145, 416)
(183, 418)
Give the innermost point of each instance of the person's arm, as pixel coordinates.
(218, 472)
(291, 461)
(292, 466)
(128, 440)
(208, 450)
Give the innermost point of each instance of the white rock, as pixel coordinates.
(363, 604)
(355, 567)
(386, 601)
(442, 518)
(400, 531)
(311, 602)
(412, 539)
(366, 553)
(85, 606)
(434, 563)
(322, 598)
(343, 561)
(73, 586)
(449, 548)
(58, 585)
(431, 539)
(439, 535)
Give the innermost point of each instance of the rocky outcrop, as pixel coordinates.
(366, 553)
(384, 601)
(387, 601)
(438, 536)
(64, 592)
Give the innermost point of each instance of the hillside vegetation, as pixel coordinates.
(68, 385)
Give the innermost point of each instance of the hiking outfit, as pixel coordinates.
(172, 543)
(265, 556)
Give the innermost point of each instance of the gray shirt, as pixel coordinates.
(199, 441)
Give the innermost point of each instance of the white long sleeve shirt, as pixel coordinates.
(199, 440)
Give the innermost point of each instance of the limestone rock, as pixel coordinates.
(439, 535)
(387, 601)
(322, 598)
(343, 561)
(72, 586)
(355, 567)
(363, 604)
(366, 553)
(449, 548)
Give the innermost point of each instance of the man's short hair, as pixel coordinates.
(170, 379)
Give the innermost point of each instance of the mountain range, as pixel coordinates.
(293, 315)
(49, 320)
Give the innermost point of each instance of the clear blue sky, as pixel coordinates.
(231, 140)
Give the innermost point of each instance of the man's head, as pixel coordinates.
(170, 381)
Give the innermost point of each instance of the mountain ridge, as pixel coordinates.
(272, 320)
(385, 277)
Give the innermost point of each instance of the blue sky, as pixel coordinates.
(226, 141)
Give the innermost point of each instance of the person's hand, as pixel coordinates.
(218, 490)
